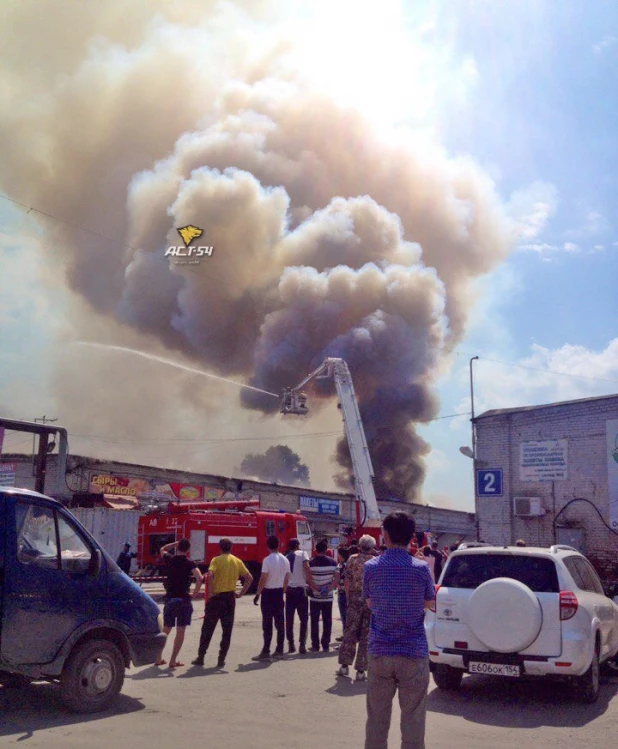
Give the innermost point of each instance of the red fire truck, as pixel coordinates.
(206, 523)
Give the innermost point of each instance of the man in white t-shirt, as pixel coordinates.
(295, 599)
(273, 584)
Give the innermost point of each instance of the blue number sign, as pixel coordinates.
(489, 483)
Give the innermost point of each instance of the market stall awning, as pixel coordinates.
(120, 503)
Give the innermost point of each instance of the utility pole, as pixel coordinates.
(41, 420)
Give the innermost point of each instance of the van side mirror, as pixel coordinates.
(95, 563)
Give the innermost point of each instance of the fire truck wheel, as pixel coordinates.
(255, 570)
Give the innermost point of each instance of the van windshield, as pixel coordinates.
(39, 529)
(470, 571)
(36, 535)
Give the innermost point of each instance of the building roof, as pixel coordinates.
(182, 476)
(503, 411)
(177, 475)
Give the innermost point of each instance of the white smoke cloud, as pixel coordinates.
(331, 238)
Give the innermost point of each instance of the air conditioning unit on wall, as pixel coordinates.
(528, 507)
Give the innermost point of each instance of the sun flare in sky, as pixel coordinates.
(370, 57)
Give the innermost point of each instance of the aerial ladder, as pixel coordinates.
(294, 401)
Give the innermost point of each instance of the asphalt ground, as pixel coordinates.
(296, 702)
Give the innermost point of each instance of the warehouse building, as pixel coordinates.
(116, 484)
(549, 474)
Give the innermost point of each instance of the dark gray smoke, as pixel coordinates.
(279, 464)
(329, 239)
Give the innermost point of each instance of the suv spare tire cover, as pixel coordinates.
(505, 615)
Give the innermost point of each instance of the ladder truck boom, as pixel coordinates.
(294, 401)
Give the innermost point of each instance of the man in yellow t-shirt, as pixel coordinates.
(224, 572)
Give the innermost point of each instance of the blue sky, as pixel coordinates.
(527, 90)
(543, 108)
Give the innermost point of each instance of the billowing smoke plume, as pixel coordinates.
(329, 239)
(279, 464)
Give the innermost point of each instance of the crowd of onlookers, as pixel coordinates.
(381, 591)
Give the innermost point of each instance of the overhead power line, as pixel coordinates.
(459, 352)
(211, 441)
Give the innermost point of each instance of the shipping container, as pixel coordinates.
(111, 528)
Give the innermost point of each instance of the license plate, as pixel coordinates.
(493, 669)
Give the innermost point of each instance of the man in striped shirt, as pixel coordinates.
(324, 579)
(397, 588)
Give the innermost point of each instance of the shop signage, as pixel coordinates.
(126, 486)
(545, 460)
(321, 505)
(7, 474)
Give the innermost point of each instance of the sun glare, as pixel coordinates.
(363, 55)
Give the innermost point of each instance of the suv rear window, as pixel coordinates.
(470, 571)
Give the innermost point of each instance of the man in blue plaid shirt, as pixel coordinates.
(398, 588)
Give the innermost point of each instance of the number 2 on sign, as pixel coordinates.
(489, 483)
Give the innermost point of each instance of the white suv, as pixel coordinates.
(514, 611)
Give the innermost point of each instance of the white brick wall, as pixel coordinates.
(583, 425)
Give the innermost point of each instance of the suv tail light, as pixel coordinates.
(568, 605)
(432, 604)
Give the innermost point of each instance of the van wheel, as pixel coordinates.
(587, 685)
(92, 677)
(447, 677)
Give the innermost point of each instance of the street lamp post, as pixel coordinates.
(472, 407)
(476, 503)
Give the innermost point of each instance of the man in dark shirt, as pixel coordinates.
(125, 557)
(178, 608)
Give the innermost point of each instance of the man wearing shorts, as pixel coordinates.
(178, 608)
